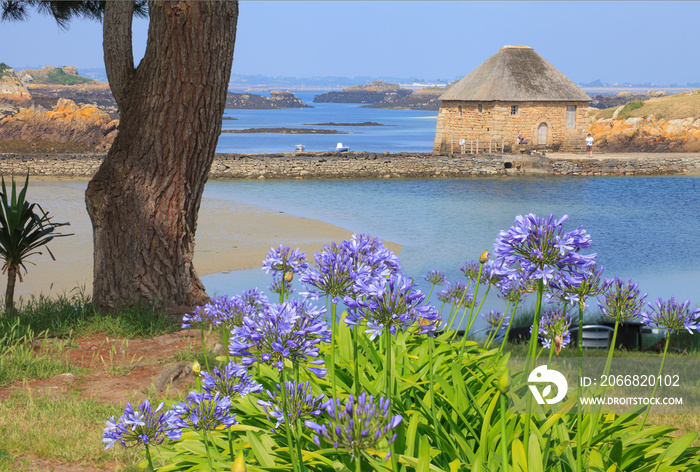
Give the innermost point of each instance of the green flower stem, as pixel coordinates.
(656, 384)
(455, 311)
(531, 358)
(472, 318)
(288, 426)
(494, 332)
(551, 352)
(427, 299)
(204, 348)
(504, 436)
(356, 359)
(148, 456)
(206, 447)
(230, 444)
(333, 332)
(297, 437)
(283, 288)
(579, 425)
(510, 323)
(611, 351)
(358, 463)
(436, 425)
(390, 384)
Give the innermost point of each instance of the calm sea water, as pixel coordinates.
(644, 228)
(403, 130)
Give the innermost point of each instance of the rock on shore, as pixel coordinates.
(68, 126)
(646, 135)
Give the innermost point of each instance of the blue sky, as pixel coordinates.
(626, 41)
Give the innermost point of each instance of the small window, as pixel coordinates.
(571, 116)
(481, 108)
(514, 109)
(459, 111)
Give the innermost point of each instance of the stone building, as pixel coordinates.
(514, 91)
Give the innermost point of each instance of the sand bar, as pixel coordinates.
(230, 236)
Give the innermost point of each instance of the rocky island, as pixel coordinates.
(372, 92)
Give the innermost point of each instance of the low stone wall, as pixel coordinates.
(374, 165)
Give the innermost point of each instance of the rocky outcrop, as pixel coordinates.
(610, 101)
(423, 99)
(13, 93)
(252, 101)
(71, 127)
(98, 95)
(372, 92)
(54, 75)
(646, 135)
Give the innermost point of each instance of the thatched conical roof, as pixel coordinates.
(515, 73)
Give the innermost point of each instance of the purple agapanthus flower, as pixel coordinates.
(232, 381)
(435, 277)
(369, 251)
(456, 293)
(358, 424)
(292, 330)
(142, 426)
(512, 290)
(672, 315)
(621, 300)
(489, 275)
(203, 411)
(394, 303)
(537, 249)
(255, 298)
(336, 274)
(301, 403)
(278, 284)
(199, 317)
(572, 294)
(495, 319)
(554, 328)
(283, 260)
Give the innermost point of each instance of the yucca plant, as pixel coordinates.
(24, 227)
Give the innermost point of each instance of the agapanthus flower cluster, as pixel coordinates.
(456, 293)
(285, 261)
(225, 310)
(369, 251)
(203, 411)
(512, 290)
(278, 285)
(301, 403)
(232, 381)
(142, 426)
(292, 330)
(554, 328)
(341, 266)
(537, 249)
(489, 275)
(435, 277)
(358, 424)
(621, 300)
(495, 319)
(394, 304)
(672, 315)
(589, 286)
(336, 274)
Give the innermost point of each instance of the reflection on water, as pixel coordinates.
(644, 228)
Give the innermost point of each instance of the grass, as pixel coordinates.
(75, 316)
(69, 431)
(672, 107)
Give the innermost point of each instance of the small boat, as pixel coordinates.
(340, 148)
(299, 148)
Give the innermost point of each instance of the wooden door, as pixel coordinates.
(542, 133)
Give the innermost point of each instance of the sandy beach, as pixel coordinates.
(230, 236)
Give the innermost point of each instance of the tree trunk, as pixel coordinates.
(144, 199)
(10, 292)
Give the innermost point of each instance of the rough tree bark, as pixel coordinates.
(144, 199)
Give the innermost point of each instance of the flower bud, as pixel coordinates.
(196, 368)
(239, 463)
(504, 382)
(288, 276)
(483, 259)
(558, 340)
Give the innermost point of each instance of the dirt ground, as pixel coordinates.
(114, 371)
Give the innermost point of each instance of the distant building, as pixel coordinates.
(514, 91)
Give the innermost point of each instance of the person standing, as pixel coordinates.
(589, 145)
